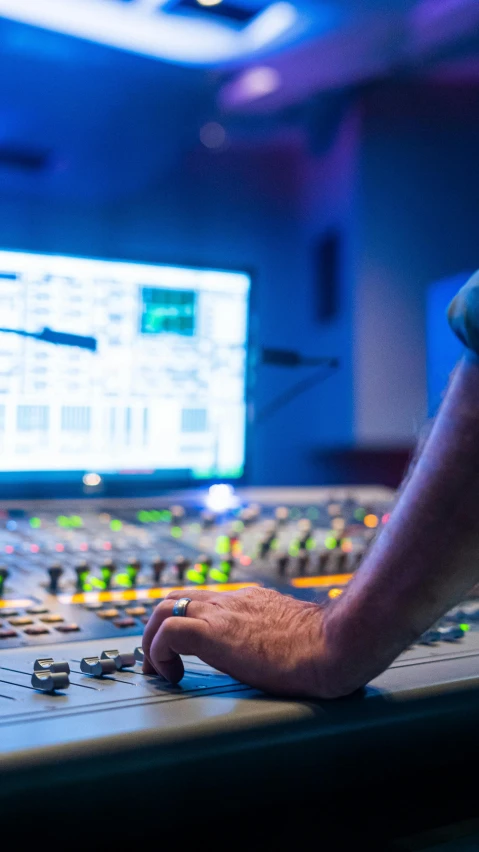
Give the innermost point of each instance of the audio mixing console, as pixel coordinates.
(78, 583)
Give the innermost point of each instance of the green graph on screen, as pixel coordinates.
(168, 311)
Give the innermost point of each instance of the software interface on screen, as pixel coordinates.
(165, 388)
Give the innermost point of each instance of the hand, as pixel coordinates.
(255, 635)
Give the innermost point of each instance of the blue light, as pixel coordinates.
(11, 525)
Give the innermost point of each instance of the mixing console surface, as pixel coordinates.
(98, 569)
(78, 583)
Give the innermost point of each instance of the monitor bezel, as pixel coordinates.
(46, 484)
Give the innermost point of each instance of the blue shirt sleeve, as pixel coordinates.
(463, 314)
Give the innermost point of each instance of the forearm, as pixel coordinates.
(427, 557)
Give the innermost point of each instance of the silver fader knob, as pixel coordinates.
(96, 667)
(48, 681)
(139, 655)
(122, 661)
(48, 664)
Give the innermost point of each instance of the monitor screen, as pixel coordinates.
(116, 367)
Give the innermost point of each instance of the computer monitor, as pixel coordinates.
(119, 368)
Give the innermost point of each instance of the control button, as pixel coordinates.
(52, 618)
(54, 572)
(158, 566)
(122, 661)
(39, 609)
(21, 621)
(208, 519)
(36, 630)
(282, 562)
(182, 564)
(82, 571)
(70, 627)
(7, 633)
(429, 637)
(107, 570)
(8, 613)
(96, 667)
(198, 573)
(48, 664)
(302, 562)
(4, 572)
(108, 613)
(124, 622)
(133, 569)
(451, 634)
(135, 610)
(323, 563)
(338, 562)
(139, 654)
(94, 605)
(50, 681)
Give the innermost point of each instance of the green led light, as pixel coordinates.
(274, 544)
(465, 627)
(123, 580)
(218, 576)
(76, 521)
(312, 513)
(96, 583)
(293, 549)
(155, 516)
(223, 544)
(143, 516)
(196, 577)
(310, 544)
(330, 542)
(176, 532)
(360, 514)
(165, 515)
(116, 525)
(35, 523)
(106, 572)
(87, 587)
(62, 521)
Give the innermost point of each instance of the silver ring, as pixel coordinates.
(181, 606)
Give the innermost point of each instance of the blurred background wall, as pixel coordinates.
(347, 191)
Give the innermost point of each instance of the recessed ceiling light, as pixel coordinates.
(209, 2)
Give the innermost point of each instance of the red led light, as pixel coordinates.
(107, 545)
(245, 560)
(9, 548)
(385, 518)
(84, 546)
(34, 548)
(60, 548)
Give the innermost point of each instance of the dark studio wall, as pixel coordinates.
(398, 183)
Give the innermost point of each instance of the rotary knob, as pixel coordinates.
(54, 572)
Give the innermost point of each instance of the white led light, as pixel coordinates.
(92, 479)
(221, 498)
(144, 27)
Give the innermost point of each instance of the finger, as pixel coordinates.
(160, 613)
(193, 594)
(177, 636)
